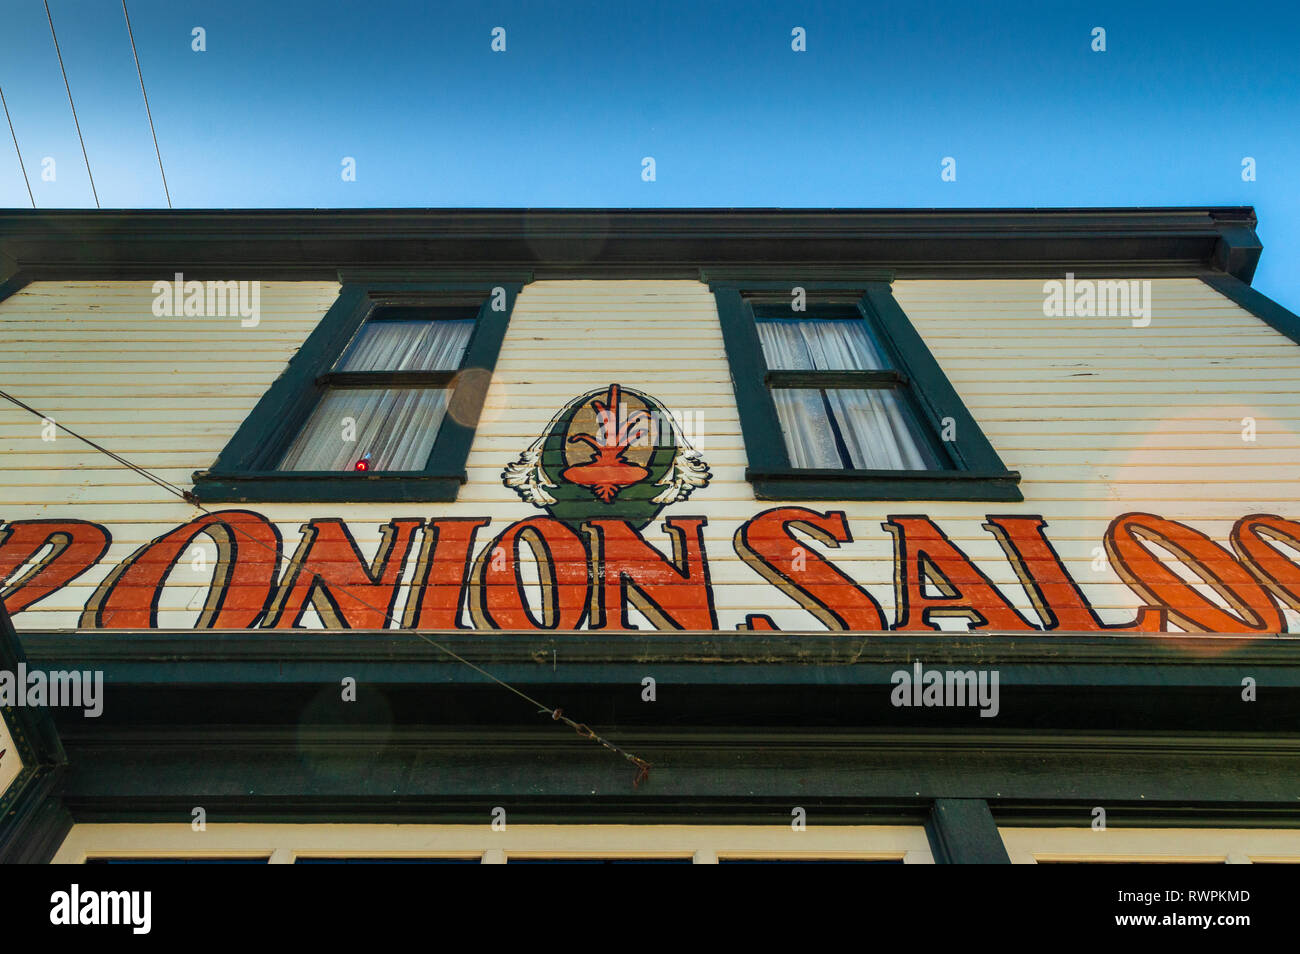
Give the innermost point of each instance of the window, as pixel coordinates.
(1152, 845)
(841, 403)
(522, 843)
(842, 400)
(392, 386)
(380, 403)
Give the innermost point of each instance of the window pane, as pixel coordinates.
(408, 346)
(879, 431)
(396, 426)
(819, 346)
(874, 425)
(807, 429)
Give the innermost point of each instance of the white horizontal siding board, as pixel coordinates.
(1100, 417)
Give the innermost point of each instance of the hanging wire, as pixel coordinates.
(16, 149)
(556, 714)
(164, 484)
(70, 103)
(147, 112)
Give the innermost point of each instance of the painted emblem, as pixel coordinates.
(613, 452)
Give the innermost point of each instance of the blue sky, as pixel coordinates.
(713, 91)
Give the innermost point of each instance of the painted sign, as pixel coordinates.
(603, 470)
(589, 576)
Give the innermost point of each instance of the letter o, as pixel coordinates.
(1146, 575)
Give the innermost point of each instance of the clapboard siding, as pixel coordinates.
(1098, 416)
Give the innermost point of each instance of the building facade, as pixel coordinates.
(501, 535)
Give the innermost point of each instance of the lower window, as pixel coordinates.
(479, 844)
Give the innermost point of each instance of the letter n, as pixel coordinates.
(671, 595)
(329, 573)
(441, 573)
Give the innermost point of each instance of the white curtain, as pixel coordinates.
(396, 426)
(877, 430)
(819, 346)
(873, 423)
(808, 435)
(408, 346)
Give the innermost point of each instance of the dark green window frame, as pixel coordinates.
(970, 469)
(245, 469)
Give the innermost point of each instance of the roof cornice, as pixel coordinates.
(292, 243)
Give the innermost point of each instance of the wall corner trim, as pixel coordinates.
(1258, 304)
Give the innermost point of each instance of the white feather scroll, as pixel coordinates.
(526, 478)
(688, 472)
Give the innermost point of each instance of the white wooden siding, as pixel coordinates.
(1099, 417)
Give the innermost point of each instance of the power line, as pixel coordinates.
(70, 103)
(556, 714)
(146, 104)
(164, 484)
(26, 181)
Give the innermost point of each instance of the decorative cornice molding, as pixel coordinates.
(316, 243)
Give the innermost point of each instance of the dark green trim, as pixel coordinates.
(307, 768)
(962, 831)
(386, 379)
(330, 487)
(13, 283)
(1058, 658)
(33, 820)
(885, 485)
(763, 290)
(745, 726)
(1260, 305)
(36, 823)
(1193, 813)
(244, 471)
(398, 279)
(974, 471)
(1238, 249)
(858, 380)
(310, 244)
(759, 425)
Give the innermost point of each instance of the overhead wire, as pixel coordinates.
(75, 122)
(21, 165)
(147, 112)
(556, 714)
